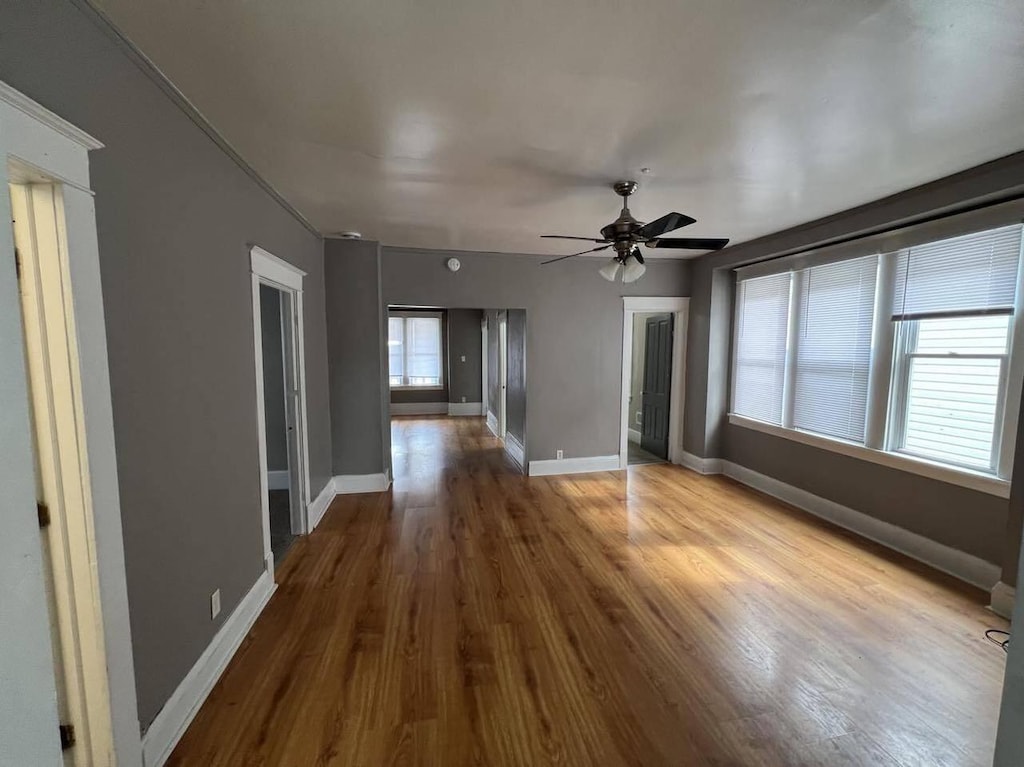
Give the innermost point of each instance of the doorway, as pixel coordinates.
(502, 374)
(653, 360)
(281, 402)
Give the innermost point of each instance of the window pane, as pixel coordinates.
(423, 338)
(761, 325)
(833, 348)
(396, 352)
(952, 401)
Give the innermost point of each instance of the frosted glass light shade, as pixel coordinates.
(633, 270)
(610, 270)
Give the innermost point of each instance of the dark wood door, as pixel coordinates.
(657, 385)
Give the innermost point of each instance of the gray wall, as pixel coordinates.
(573, 337)
(973, 522)
(355, 344)
(273, 379)
(1010, 736)
(465, 340)
(175, 217)
(515, 385)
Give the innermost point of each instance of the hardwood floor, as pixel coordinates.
(473, 616)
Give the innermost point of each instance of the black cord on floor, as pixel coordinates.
(990, 635)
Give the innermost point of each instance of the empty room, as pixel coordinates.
(511, 383)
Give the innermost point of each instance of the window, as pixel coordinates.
(414, 350)
(906, 352)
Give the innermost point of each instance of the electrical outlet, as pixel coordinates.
(215, 604)
(463, 399)
(463, 357)
(558, 455)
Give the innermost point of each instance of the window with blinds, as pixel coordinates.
(415, 350)
(762, 321)
(907, 351)
(835, 311)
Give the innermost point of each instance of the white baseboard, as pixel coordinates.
(586, 465)
(320, 504)
(466, 408)
(362, 483)
(515, 449)
(634, 436)
(492, 423)
(278, 480)
(959, 564)
(700, 465)
(419, 408)
(176, 715)
(1003, 596)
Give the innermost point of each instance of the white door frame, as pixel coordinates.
(502, 373)
(484, 399)
(38, 146)
(268, 269)
(680, 309)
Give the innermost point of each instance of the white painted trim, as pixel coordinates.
(983, 483)
(345, 484)
(267, 265)
(55, 151)
(1002, 600)
(515, 449)
(465, 408)
(176, 715)
(278, 479)
(585, 465)
(700, 465)
(320, 504)
(419, 408)
(492, 423)
(679, 307)
(959, 564)
(634, 436)
(44, 116)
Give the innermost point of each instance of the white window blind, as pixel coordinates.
(835, 310)
(414, 350)
(396, 350)
(971, 274)
(762, 320)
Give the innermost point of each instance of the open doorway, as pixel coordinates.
(281, 412)
(653, 359)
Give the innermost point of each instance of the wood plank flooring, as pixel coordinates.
(476, 617)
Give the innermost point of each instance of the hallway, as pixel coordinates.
(472, 616)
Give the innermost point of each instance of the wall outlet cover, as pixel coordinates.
(215, 604)
(463, 399)
(558, 455)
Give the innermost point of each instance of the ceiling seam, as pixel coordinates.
(153, 72)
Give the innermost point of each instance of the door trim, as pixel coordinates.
(38, 145)
(268, 269)
(680, 308)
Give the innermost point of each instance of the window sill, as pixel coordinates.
(974, 480)
(417, 388)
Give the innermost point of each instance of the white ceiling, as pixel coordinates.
(480, 124)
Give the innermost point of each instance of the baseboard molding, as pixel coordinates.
(492, 423)
(1001, 602)
(700, 465)
(419, 408)
(633, 436)
(959, 564)
(320, 504)
(345, 484)
(466, 408)
(176, 715)
(278, 480)
(516, 450)
(586, 465)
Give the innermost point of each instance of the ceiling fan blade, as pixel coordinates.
(638, 255)
(689, 243)
(567, 237)
(667, 223)
(571, 255)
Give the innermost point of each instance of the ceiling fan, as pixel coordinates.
(626, 234)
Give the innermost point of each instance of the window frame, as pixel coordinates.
(405, 315)
(889, 371)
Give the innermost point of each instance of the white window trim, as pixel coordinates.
(441, 362)
(974, 480)
(878, 431)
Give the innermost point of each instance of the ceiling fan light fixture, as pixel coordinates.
(633, 270)
(610, 270)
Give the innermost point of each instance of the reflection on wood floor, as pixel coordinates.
(472, 616)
